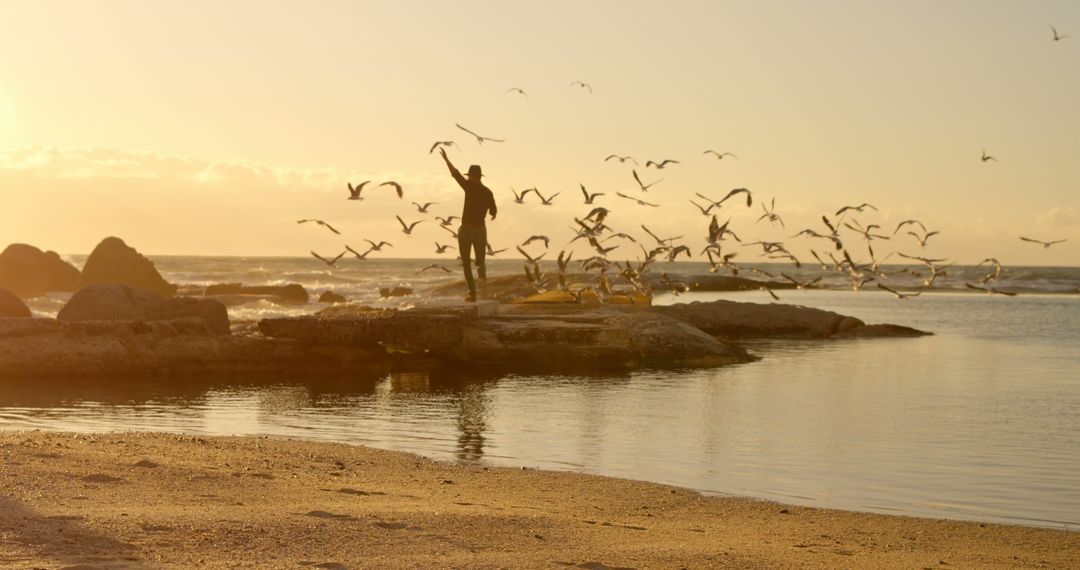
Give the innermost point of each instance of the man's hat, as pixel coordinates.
(474, 170)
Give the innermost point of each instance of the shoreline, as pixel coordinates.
(150, 499)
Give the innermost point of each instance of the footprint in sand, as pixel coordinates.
(100, 478)
(356, 492)
(145, 463)
(331, 516)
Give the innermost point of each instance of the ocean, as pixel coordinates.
(978, 422)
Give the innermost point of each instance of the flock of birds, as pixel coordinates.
(845, 242)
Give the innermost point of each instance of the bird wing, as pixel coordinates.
(319, 257)
(402, 222)
(458, 125)
(331, 228)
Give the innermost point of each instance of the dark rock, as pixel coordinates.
(113, 261)
(387, 292)
(112, 302)
(293, 293)
(28, 272)
(332, 297)
(286, 294)
(881, 331)
(12, 306)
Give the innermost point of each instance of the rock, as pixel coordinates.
(332, 297)
(28, 272)
(292, 293)
(112, 302)
(387, 292)
(113, 261)
(881, 331)
(12, 307)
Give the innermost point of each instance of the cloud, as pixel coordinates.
(1061, 216)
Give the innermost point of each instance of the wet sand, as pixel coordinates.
(157, 500)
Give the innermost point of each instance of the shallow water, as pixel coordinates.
(977, 422)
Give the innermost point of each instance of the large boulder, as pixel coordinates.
(332, 297)
(113, 302)
(290, 294)
(12, 306)
(27, 271)
(113, 261)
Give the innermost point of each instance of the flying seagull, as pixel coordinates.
(1045, 244)
(990, 290)
(644, 187)
(446, 221)
(423, 208)
(985, 157)
(518, 90)
(397, 187)
(520, 198)
(545, 201)
(638, 200)
(737, 191)
(378, 246)
(354, 191)
(907, 222)
(896, 293)
(330, 262)
(407, 228)
(479, 139)
(581, 84)
(589, 197)
(432, 266)
(439, 248)
(704, 211)
(531, 239)
(357, 254)
(660, 165)
(858, 208)
(719, 155)
(1057, 37)
(621, 159)
(439, 144)
(770, 214)
(321, 223)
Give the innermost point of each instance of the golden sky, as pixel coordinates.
(210, 127)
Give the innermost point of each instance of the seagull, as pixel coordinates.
(432, 266)
(704, 211)
(898, 294)
(407, 228)
(589, 197)
(664, 242)
(378, 246)
(439, 248)
(985, 157)
(644, 187)
(660, 165)
(479, 139)
(907, 222)
(621, 235)
(360, 256)
(638, 200)
(1057, 37)
(354, 191)
(330, 262)
(990, 290)
(924, 238)
(766, 289)
(858, 208)
(582, 84)
(446, 221)
(866, 232)
(737, 191)
(440, 144)
(545, 201)
(531, 239)
(720, 155)
(518, 90)
(449, 229)
(520, 198)
(770, 214)
(801, 285)
(1045, 244)
(996, 275)
(321, 223)
(400, 192)
(423, 208)
(599, 213)
(493, 252)
(621, 159)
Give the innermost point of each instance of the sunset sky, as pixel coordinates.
(211, 127)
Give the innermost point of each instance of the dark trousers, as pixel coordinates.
(472, 238)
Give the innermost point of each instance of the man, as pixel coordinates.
(472, 236)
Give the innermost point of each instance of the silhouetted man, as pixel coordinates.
(472, 236)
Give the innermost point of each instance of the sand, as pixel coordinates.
(138, 500)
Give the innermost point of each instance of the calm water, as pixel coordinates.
(981, 421)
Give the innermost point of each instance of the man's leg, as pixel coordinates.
(464, 245)
(480, 246)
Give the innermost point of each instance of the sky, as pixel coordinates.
(209, 128)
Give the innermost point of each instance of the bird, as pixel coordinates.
(598, 214)
(621, 159)
(719, 155)
(990, 290)
(531, 239)
(423, 208)
(440, 144)
(407, 228)
(492, 251)
(801, 285)
(664, 241)
(479, 139)
(736, 192)
(766, 289)
(330, 262)
(996, 275)
(354, 191)
(520, 198)
(896, 293)
(446, 221)
(397, 187)
(1057, 37)
(909, 222)
(589, 197)
(660, 165)
(360, 256)
(581, 84)
(644, 187)
(545, 201)
(858, 208)
(985, 157)
(321, 223)
(638, 200)
(379, 246)
(770, 214)
(432, 266)
(1045, 244)
(518, 90)
(439, 248)
(449, 229)
(704, 211)
(924, 238)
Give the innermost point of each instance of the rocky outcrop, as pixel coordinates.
(332, 298)
(112, 302)
(734, 320)
(291, 294)
(387, 292)
(28, 272)
(12, 306)
(113, 261)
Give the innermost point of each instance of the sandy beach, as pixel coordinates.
(140, 500)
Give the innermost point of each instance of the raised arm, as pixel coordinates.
(453, 170)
